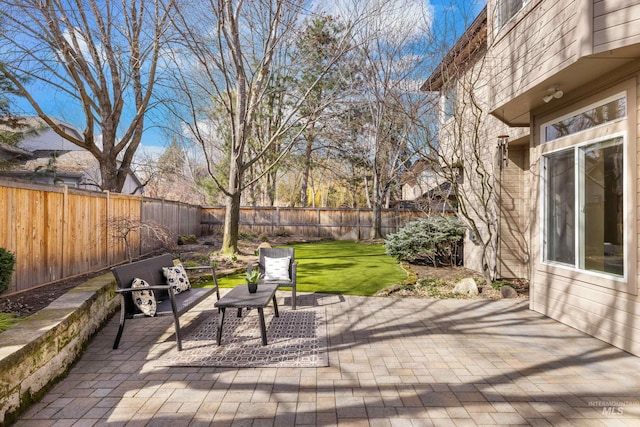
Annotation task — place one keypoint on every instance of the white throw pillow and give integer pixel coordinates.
(276, 268)
(145, 300)
(177, 278)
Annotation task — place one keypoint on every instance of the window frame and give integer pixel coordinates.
(450, 101)
(624, 128)
(578, 212)
(501, 21)
(591, 106)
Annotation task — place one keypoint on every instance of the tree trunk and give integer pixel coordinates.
(376, 218)
(231, 227)
(232, 212)
(376, 222)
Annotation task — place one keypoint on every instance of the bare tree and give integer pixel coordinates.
(465, 155)
(391, 57)
(126, 229)
(102, 57)
(230, 55)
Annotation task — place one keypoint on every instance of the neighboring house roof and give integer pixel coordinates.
(51, 158)
(414, 173)
(10, 152)
(465, 48)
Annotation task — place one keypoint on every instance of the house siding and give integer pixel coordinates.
(610, 316)
(586, 302)
(615, 24)
(513, 258)
(538, 42)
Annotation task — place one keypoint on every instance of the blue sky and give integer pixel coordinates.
(453, 15)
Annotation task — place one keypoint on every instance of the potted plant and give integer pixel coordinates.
(253, 276)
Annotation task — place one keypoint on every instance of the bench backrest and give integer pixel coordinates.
(149, 269)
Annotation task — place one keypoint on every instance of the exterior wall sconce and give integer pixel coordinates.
(503, 150)
(552, 92)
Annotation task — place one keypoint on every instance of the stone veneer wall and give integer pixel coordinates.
(40, 349)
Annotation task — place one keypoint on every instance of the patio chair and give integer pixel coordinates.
(278, 266)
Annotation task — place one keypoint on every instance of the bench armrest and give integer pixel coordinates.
(151, 287)
(200, 267)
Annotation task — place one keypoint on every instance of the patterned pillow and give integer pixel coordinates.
(145, 300)
(177, 278)
(276, 268)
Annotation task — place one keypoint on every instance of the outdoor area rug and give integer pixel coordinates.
(298, 338)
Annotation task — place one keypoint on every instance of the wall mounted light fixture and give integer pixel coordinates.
(552, 92)
(503, 148)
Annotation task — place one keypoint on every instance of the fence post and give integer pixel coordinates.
(65, 229)
(105, 229)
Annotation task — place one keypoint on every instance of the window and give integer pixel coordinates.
(606, 112)
(449, 101)
(506, 9)
(584, 206)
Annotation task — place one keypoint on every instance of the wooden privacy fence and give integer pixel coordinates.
(57, 232)
(336, 223)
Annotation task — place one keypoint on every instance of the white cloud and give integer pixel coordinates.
(149, 152)
(74, 36)
(387, 18)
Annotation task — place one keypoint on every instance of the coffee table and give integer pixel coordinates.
(239, 297)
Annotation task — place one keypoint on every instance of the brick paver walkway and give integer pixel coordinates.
(393, 362)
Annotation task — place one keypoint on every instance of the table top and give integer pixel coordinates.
(239, 297)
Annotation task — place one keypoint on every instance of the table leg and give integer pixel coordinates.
(275, 307)
(220, 323)
(263, 326)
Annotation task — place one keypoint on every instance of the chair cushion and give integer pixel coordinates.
(144, 299)
(177, 278)
(276, 268)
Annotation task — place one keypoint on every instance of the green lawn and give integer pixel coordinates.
(7, 320)
(340, 267)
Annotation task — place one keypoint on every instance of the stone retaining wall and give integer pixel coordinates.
(41, 348)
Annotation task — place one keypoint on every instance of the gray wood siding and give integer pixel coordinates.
(539, 42)
(615, 24)
(607, 315)
(580, 301)
(514, 250)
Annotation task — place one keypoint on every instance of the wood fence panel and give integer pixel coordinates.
(53, 236)
(336, 223)
(120, 207)
(57, 232)
(85, 230)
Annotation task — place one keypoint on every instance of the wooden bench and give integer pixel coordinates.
(168, 302)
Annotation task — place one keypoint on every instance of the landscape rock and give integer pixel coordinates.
(508, 292)
(466, 286)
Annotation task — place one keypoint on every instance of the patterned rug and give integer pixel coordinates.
(295, 339)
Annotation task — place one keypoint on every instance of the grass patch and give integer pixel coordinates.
(339, 267)
(8, 320)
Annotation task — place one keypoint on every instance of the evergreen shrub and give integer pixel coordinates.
(433, 240)
(7, 263)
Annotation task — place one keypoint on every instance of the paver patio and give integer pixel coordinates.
(393, 362)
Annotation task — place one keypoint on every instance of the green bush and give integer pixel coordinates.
(7, 263)
(433, 240)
